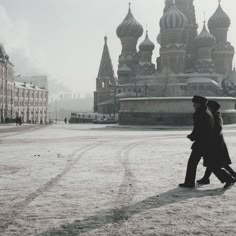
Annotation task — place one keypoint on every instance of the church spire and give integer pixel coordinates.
(106, 68)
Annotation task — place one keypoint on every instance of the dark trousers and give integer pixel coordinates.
(221, 174)
(193, 161)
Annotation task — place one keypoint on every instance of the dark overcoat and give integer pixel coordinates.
(203, 130)
(221, 156)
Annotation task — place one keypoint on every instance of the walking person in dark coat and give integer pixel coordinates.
(222, 158)
(203, 126)
(204, 145)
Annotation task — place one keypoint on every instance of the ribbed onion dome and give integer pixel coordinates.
(219, 19)
(173, 18)
(129, 27)
(204, 39)
(147, 44)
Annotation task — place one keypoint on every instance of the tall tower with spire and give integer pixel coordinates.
(106, 80)
(204, 43)
(173, 47)
(223, 52)
(190, 30)
(188, 63)
(129, 31)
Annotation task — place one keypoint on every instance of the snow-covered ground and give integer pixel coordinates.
(95, 180)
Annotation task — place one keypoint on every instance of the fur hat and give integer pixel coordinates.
(214, 105)
(199, 99)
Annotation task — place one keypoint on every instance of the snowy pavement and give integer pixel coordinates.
(92, 180)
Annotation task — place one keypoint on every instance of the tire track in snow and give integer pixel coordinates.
(126, 190)
(17, 208)
(18, 131)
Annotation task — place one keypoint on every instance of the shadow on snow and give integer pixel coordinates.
(110, 216)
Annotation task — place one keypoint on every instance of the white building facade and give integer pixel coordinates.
(20, 99)
(31, 103)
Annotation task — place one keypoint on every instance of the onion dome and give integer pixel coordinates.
(173, 18)
(147, 44)
(129, 27)
(204, 39)
(219, 19)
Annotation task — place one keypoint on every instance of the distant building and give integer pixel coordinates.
(188, 63)
(31, 103)
(6, 85)
(24, 99)
(39, 80)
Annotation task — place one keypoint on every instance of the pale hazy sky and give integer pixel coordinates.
(64, 38)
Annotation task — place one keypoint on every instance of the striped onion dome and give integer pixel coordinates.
(204, 39)
(129, 27)
(147, 44)
(219, 19)
(173, 18)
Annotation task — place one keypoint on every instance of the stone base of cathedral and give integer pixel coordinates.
(172, 111)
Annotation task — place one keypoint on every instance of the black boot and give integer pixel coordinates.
(203, 181)
(229, 183)
(186, 185)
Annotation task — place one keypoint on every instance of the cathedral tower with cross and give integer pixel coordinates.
(188, 63)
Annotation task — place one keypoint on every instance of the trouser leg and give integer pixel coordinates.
(207, 173)
(193, 161)
(231, 171)
(222, 175)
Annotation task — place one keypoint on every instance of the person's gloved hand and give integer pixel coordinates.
(190, 137)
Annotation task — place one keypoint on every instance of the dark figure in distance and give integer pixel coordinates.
(222, 158)
(17, 120)
(65, 120)
(203, 144)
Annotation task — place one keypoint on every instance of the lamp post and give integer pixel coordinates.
(114, 101)
(145, 87)
(6, 88)
(135, 86)
(11, 105)
(56, 111)
(2, 100)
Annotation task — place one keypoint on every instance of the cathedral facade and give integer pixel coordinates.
(188, 63)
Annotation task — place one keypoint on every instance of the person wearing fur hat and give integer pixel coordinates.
(203, 145)
(203, 126)
(222, 158)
